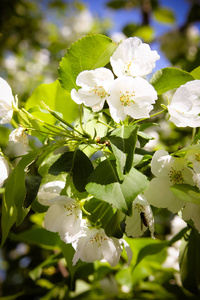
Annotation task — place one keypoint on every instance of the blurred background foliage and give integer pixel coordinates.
(34, 36)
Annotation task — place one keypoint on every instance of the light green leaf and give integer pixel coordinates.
(123, 142)
(196, 73)
(88, 53)
(169, 78)
(13, 209)
(155, 248)
(56, 98)
(164, 15)
(119, 194)
(186, 193)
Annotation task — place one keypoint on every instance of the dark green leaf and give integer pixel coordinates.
(76, 163)
(169, 78)
(189, 260)
(88, 53)
(38, 236)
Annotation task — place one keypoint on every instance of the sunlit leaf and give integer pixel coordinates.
(196, 73)
(56, 98)
(164, 15)
(88, 53)
(186, 192)
(169, 78)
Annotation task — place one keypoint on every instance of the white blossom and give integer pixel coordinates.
(131, 96)
(141, 219)
(6, 101)
(132, 57)
(193, 156)
(49, 191)
(94, 88)
(184, 108)
(94, 244)
(168, 171)
(65, 217)
(18, 140)
(4, 170)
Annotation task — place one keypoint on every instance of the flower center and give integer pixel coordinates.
(127, 67)
(99, 91)
(97, 239)
(126, 98)
(71, 209)
(176, 176)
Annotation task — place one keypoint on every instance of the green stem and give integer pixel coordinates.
(193, 134)
(158, 113)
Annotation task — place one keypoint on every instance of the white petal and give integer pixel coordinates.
(184, 108)
(50, 190)
(4, 170)
(159, 195)
(5, 93)
(132, 57)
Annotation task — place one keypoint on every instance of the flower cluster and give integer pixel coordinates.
(128, 94)
(64, 216)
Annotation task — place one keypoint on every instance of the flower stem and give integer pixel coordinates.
(158, 113)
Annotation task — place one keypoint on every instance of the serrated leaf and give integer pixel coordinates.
(169, 78)
(196, 73)
(56, 98)
(88, 53)
(13, 209)
(186, 192)
(119, 194)
(123, 142)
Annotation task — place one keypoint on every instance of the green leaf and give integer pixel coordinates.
(38, 236)
(189, 261)
(123, 142)
(164, 15)
(55, 97)
(196, 73)
(76, 163)
(119, 194)
(186, 192)
(88, 53)
(153, 249)
(117, 4)
(169, 78)
(13, 209)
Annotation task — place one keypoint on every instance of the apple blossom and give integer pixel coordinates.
(49, 191)
(4, 170)
(141, 219)
(6, 101)
(18, 140)
(184, 108)
(131, 96)
(65, 217)
(168, 171)
(94, 88)
(132, 57)
(94, 244)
